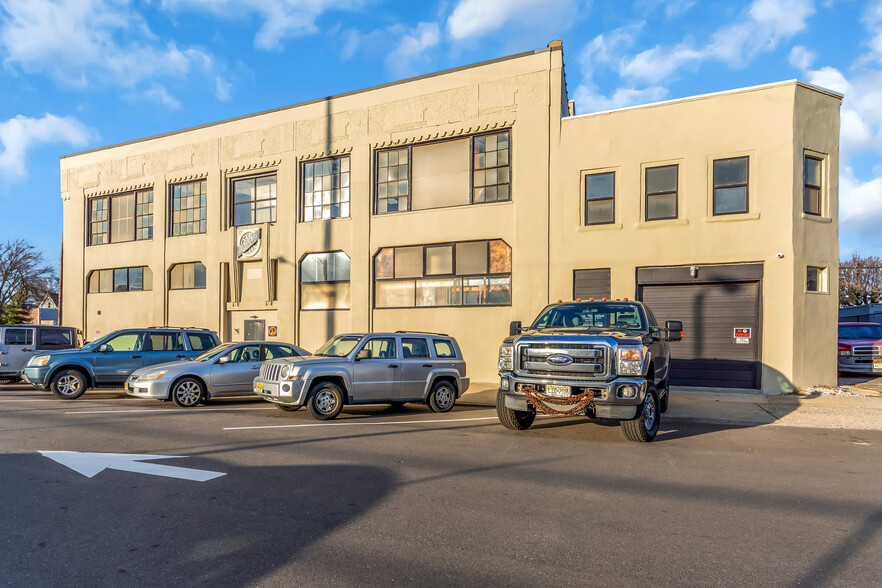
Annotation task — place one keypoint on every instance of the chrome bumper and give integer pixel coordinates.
(286, 392)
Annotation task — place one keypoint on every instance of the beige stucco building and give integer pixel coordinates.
(459, 201)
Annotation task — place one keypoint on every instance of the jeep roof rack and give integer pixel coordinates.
(424, 333)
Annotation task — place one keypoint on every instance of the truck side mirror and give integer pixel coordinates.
(674, 330)
(514, 328)
(363, 354)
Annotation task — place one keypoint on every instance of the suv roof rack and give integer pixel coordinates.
(181, 328)
(424, 333)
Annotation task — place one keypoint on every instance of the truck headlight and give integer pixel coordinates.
(506, 357)
(842, 352)
(155, 375)
(630, 361)
(39, 360)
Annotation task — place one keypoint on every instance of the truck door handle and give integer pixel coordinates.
(427, 365)
(393, 365)
(136, 357)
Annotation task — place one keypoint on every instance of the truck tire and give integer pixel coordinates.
(643, 428)
(325, 401)
(663, 402)
(68, 384)
(442, 397)
(517, 420)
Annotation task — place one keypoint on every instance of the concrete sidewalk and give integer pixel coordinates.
(813, 410)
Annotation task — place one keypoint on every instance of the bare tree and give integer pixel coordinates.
(860, 280)
(24, 275)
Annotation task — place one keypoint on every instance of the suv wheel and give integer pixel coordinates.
(68, 384)
(442, 397)
(517, 420)
(326, 401)
(187, 392)
(643, 428)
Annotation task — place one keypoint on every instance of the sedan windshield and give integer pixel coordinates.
(339, 346)
(591, 315)
(210, 354)
(860, 332)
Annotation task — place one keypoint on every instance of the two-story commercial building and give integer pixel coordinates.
(459, 201)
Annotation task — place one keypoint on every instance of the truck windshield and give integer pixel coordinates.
(591, 315)
(339, 346)
(860, 332)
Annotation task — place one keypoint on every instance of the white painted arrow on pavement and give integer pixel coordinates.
(91, 464)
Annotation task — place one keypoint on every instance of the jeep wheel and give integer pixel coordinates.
(326, 401)
(442, 397)
(68, 384)
(187, 392)
(643, 428)
(287, 408)
(517, 420)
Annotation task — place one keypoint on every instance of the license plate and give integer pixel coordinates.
(877, 365)
(258, 386)
(558, 391)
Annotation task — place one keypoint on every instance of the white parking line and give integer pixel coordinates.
(164, 410)
(373, 423)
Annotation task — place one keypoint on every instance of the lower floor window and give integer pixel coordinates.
(121, 279)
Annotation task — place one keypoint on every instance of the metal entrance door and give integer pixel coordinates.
(254, 330)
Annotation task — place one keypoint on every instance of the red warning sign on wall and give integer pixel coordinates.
(742, 333)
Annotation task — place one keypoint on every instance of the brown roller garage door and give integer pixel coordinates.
(709, 355)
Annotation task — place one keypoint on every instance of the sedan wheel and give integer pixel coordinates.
(187, 392)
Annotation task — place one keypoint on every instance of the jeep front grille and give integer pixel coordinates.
(589, 360)
(270, 371)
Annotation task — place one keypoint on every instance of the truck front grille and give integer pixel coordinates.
(588, 360)
(270, 371)
(867, 351)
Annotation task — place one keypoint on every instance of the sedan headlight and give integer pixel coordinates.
(39, 360)
(155, 375)
(630, 361)
(506, 357)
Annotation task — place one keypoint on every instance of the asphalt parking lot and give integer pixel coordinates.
(382, 496)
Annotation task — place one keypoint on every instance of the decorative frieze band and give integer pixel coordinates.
(251, 166)
(187, 178)
(322, 154)
(118, 189)
(432, 136)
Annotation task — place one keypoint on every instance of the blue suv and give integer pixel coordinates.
(107, 362)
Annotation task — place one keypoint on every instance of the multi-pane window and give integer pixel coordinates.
(661, 192)
(326, 189)
(393, 180)
(600, 192)
(187, 276)
(811, 192)
(188, 204)
(324, 281)
(492, 169)
(730, 185)
(121, 279)
(120, 218)
(467, 273)
(254, 200)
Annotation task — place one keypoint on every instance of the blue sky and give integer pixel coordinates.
(80, 74)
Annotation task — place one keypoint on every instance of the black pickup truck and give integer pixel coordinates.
(602, 359)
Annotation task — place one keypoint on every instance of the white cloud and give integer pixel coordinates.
(159, 93)
(474, 18)
(403, 48)
(282, 19)
(412, 47)
(801, 58)
(21, 134)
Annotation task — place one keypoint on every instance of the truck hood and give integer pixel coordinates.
(860, 342)
(623, 337)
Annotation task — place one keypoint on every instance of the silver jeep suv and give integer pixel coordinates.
(368, 368)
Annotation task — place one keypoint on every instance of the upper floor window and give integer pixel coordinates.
(120, 218)
(730, 185)
(811, 192)
(254, 200)
(600, 191)
(324, 281)
(467, 273)
(188, 203)
(121, 279)
(326, 189)
(661, 192)
(187, 276)
(454, 172)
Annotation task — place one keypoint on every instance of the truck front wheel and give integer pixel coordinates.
(517, 420)
(643, 428)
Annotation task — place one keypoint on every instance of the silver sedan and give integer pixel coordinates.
(226, 370)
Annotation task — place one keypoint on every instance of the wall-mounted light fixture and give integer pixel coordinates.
(693, 271)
